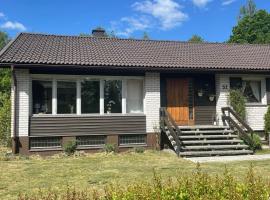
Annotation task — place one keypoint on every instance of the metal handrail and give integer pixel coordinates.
(166, 120)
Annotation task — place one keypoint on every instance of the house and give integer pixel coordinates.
(101, 90)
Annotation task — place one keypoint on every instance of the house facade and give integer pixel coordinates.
(99, 91)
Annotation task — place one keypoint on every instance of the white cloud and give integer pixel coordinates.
(2, 15)
(13, 26)
(167, 12)
(201, 3)
(227, 2)
(129, 25)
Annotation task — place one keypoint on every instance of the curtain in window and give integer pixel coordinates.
(134, 96)
(255, 87)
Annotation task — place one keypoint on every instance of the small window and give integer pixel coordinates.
(42, 97)
(268, 90)
(90, 96)
(134, 96)
(45, 142)
(252, 91)
(235, 83)
(132, 139)
(66, 97)
(113, 96)
(91, 140)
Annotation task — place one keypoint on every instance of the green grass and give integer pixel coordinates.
(263, 151)
(96, 170)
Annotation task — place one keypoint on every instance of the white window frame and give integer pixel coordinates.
(78, 79)
(255, 78)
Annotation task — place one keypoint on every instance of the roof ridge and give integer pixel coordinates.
(148, 40)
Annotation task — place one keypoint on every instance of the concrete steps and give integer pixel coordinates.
(216, 153)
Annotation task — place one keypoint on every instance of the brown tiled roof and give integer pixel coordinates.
(42, 49)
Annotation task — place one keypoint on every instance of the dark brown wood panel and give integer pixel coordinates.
(72, 126)
(205, 115)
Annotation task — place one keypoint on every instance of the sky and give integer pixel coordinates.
(161, 19)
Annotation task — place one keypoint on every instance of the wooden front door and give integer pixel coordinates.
(179, 101)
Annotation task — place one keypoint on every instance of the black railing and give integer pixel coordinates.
(166, 121)
(244, 130)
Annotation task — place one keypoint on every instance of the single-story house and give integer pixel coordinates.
(101, 90)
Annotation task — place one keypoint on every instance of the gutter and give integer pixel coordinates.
(14, 134)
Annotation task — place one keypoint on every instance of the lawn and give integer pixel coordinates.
(96, 170)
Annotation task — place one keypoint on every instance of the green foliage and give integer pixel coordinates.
(237, 101)
(196, 39)
(5, 121)
(139, 150)
(145, 36)
(252, 29)
(198, 185)
(3, 39)
(248, 10)
(256, 142)
(108, 148)
(267, 121)
(70, 147)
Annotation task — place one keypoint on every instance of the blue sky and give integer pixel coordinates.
(161, 19)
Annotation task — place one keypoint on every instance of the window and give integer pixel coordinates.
(66, 97)
(90, 96)
(252, 91)
(268, 90)
(42, 97)
(112, 96)
(45, 142)
(134, 96)
(132, 139)
(91, 140)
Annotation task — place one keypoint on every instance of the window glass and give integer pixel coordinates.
(45, 142)
(91, 140)
(66, 97)
(134, 96)
(42, 97)
(252, 91)
(113, 96)
(90, 96)
(132, 139)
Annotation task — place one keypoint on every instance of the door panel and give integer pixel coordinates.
(178, 100)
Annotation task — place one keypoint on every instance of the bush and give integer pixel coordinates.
(5, 120)
(70, 147)
(139, 150)
(237, 101)
(198, 185)
(108, 148)
(267, 121)
(257, 143)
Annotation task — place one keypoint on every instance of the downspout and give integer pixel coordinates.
(14, 134)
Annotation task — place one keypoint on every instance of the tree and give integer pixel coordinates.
(196, 39)
(5, 82)
(145, 36)
(252, 29)
(3, 39)
(247, 10)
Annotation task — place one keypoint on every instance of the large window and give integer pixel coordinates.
(66, 97)
(87, 95)
(251, 89)
(134, 96)
(42, 97)
(112, 96)
(90, 96)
